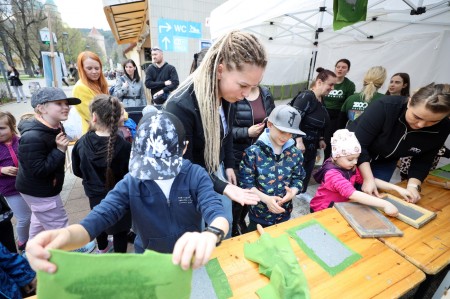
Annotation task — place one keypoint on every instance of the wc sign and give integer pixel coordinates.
(45, 36)
(173, 35)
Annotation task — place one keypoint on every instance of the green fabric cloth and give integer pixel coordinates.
(84, 276)
(443, 172)
(277, 261)
(331, 244)
(218, 279)
(339, 94)
(348, 12)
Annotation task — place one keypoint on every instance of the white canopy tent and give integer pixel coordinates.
(410, 36)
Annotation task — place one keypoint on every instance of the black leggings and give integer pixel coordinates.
(7, 236)
(120, 241)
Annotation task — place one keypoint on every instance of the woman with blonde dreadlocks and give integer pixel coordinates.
(100, 158)
(203, 102)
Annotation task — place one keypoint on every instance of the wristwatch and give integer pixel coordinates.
(418, 187)
(217, 231)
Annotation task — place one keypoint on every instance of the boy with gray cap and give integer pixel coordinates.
(168, 196)
(272, 168)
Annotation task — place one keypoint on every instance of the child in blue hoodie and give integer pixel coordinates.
(272, 167)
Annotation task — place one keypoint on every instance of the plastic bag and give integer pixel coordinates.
(73, 125)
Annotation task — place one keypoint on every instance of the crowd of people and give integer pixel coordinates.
(205, 153)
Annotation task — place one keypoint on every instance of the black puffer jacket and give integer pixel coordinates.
(244, 119)
(41, 164)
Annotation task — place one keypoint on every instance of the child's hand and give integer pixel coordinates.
(193, 249)
(290, 194)
(38, 249)
(9, 170)
(273, 204)
(242, 196)
(407, 195)
(390, 209)
(415, 194)
(62, 142)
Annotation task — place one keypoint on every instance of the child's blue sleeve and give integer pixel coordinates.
(298, 172)
(15, 267)
(247, 169)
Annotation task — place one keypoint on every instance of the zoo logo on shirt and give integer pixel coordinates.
(336, 93)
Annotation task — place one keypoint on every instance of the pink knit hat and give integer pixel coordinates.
(344, 143)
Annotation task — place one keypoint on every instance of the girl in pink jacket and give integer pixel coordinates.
(339, 174)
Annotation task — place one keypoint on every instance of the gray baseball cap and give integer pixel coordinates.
(51, 94)
(157, 150)
(286, 119)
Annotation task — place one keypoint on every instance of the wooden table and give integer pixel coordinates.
(381, 273)
(428, 247)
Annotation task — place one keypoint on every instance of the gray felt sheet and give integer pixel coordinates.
(201, 285)
(405, 210)
(325, 246)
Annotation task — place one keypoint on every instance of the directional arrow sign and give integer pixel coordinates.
(165, 27)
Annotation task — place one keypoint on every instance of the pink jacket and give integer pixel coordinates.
(334, 188)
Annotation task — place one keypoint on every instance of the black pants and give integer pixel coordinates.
(7, 236)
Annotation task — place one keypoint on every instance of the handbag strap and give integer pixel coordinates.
(13, 155)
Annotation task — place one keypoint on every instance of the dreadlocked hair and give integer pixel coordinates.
(232, 50)
(108, 110)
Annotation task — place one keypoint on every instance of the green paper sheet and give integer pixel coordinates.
(277, 261)
(218, 279)
(323, 247)
(85, 276)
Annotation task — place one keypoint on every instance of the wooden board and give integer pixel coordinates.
(409, 213)
(381, 273)
(368, 222)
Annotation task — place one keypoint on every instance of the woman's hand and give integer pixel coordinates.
(370, 187)
(242, 196)
(231, 176)
(415, 195)
(407, 195)
(255, 130)
(299, 144)
(9, 170)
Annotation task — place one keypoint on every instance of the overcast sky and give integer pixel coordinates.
(82, 13)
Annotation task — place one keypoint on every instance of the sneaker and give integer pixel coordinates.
(88, 248)
(108, 249)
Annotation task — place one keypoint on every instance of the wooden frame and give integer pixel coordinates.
(409, 213)
(367, 222)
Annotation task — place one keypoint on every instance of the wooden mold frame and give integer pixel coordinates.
(409, 213)
(367, 221)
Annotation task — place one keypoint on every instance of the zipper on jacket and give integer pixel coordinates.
(404, 136)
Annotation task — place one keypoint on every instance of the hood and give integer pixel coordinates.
(26, 125)
(96, 148)
(264, 137)
(327, 165)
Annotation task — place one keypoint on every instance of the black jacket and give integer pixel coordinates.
(384, 134)
(155, 78)
(185, 106)
(41, 164)
(89, 162)
(244, 119)
(14, 78)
